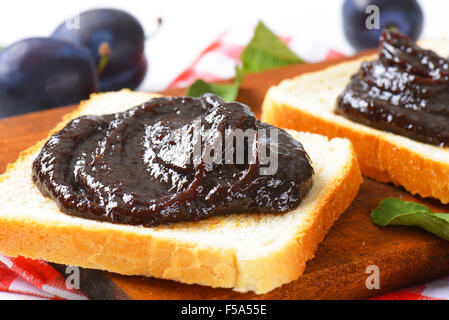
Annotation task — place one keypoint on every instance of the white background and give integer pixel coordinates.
(189, 26)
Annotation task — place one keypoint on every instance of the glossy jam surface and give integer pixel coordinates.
(405, 91)
(143, 166)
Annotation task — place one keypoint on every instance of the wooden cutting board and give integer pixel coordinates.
(405, 256)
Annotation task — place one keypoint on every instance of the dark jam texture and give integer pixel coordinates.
(405, 91)
(138, 167)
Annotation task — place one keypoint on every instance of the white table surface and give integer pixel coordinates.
(189, 26)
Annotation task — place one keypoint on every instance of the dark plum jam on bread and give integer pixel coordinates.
(170, 160)
(405, 91)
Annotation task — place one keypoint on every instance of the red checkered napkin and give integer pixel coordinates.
(433, 290)
(216, 62)
(36, 278)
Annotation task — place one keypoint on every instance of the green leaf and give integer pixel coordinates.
(228, 92)
(266, 51)
(397, 212)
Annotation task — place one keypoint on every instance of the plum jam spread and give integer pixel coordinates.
(404, 91)
(170, 160)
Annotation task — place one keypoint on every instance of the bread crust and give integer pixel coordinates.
(130, 253)
(379, 157)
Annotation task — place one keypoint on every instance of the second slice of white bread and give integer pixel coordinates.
(244, 252)
(307, 102)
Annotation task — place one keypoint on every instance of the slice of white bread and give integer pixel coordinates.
(244, 252)
(307, 102)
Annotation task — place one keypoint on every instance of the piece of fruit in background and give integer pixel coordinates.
(116, 41)
(405, 16)
(42, 73)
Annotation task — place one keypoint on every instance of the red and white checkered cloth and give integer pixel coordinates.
(36, 278)
(216, 62)
(434, 290)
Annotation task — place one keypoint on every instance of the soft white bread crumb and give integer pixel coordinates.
(307, 102)
(243, 252)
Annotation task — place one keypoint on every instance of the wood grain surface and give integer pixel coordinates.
(405, 256)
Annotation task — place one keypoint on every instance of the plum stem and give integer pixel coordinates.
(393, 29)
(104, 50)
(156, 30)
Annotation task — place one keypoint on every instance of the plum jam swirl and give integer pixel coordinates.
(145, 167)
(404, 91)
